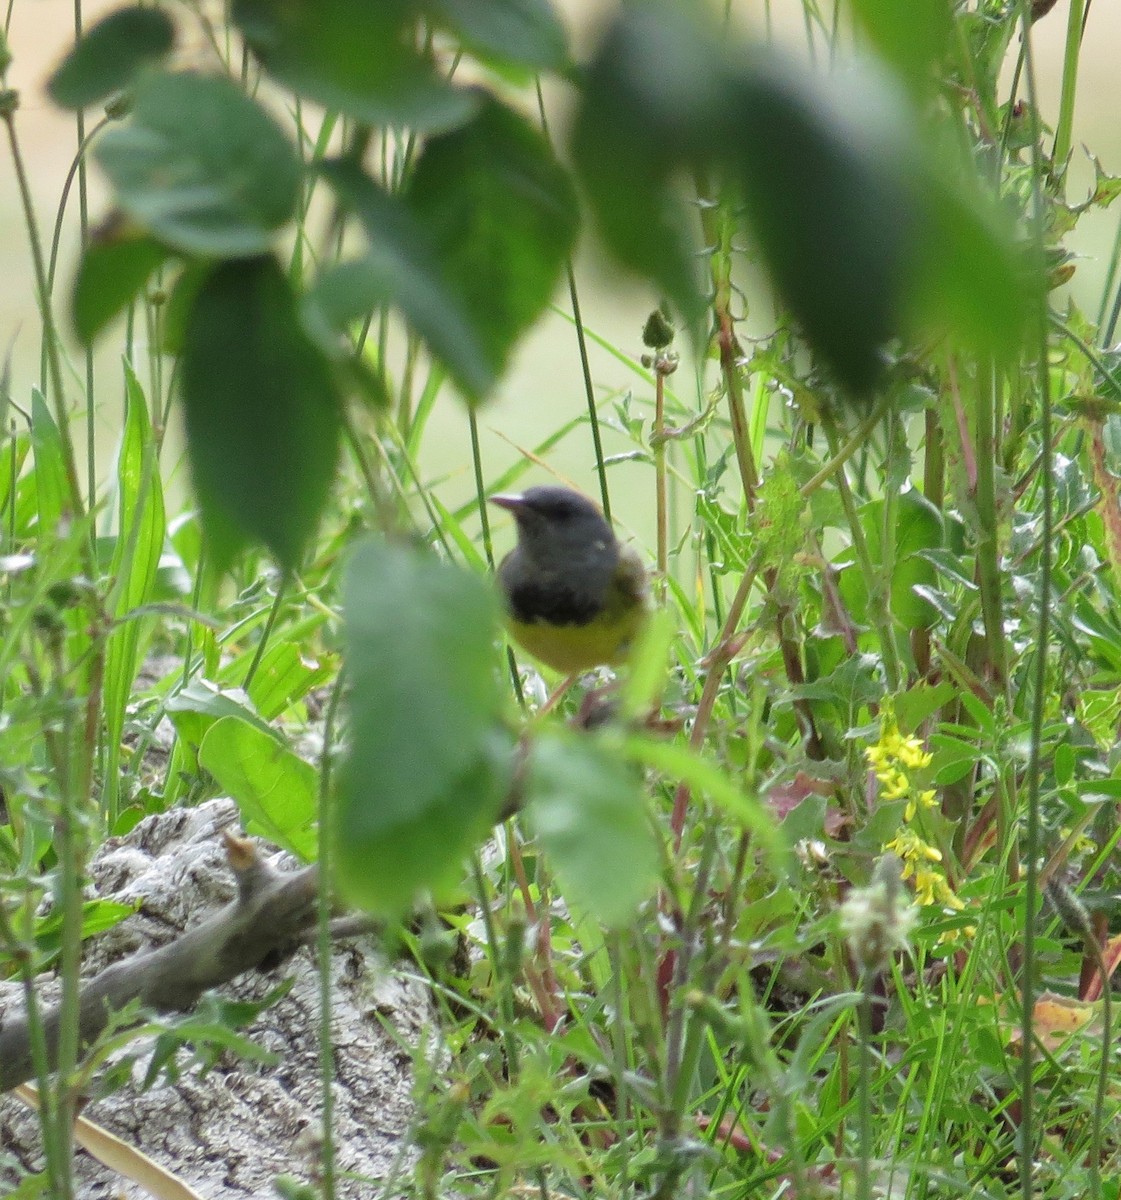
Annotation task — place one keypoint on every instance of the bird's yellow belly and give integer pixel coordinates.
(571, 649)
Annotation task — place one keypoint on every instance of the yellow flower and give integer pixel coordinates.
(931, 887)
(911, 754)
(892, 759)
(925, 882)
(876, 756)
(923, 799)
(910, 847)
(1083, 844)
(896, 785)
(947, 895)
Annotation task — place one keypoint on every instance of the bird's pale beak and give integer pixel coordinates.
(511, 501)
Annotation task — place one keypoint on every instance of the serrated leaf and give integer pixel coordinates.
(275, 790)
(202, 167)
(262, 416)
(355, 56)
(428, 768)
(587, 810)
(115, 265)
(109, 56)
(522, 31)
(501, 215)
(400, 268)
(1106, 187)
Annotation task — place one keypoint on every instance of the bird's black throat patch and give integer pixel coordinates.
(551, 603)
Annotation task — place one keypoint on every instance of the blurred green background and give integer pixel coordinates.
(545, 386)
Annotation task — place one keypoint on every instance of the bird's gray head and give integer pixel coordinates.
(560, 529)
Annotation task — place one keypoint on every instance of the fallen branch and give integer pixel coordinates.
(269, 918)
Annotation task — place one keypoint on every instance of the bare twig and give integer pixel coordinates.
(273, 913)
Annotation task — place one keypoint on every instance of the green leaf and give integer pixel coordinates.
(355, 56)
(11, 464)
(704, 777)
(911, 36)
(428, 767)
(644, 683)
(115, 265)
(110, 55)
(179, 302)
(134, 569)
(921, 701)
(806, 819)
(196, 707)
(263, 418)
(275, 790)
(917, 527)
(286, 672)
(52, 492)
(651, 99)
(971, 275)
(202, 167)
(586, 806)
(502, 214)
(400, 267)
(98, 916)
(825, 170)
(522, 31)
(953, 759)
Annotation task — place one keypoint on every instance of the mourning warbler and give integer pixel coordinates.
(575, 598)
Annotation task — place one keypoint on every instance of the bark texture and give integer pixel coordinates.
(230, 1132)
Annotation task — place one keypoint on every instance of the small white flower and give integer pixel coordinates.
(877, 920)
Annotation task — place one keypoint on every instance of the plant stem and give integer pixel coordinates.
(1065, 123)
(1104, 1063)
(503, 985)
(46, 315)
(864, 1091)
(878, 589)
(84, 231)
(262, 644)
(719, 659)
(990, 576)
(717, 226)
(582, 346)
(324, 902)
(1027, 1141)
(855, 441)
(661, 513)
